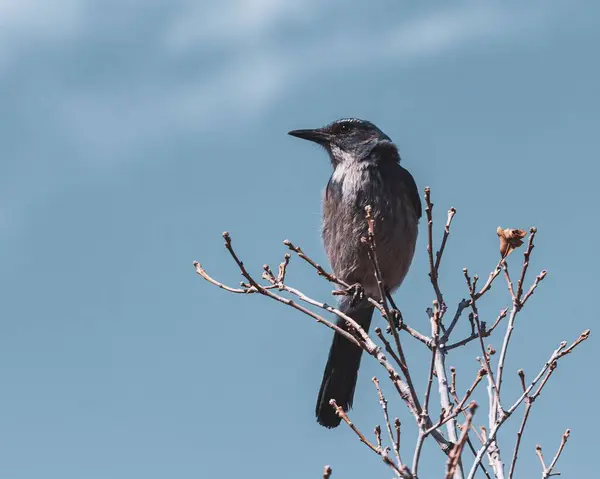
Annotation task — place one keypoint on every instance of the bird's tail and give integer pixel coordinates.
(341, 371)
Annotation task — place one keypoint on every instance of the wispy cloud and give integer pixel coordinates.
(259, 66)
(25, 23)
(231, 61)
(95, 84)
(236, 23)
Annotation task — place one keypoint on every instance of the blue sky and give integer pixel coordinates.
(134, 133)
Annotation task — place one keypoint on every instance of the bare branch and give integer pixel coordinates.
(340, 412)
(334, 279)
(508, 281)
(432, 270)
(538, 451)
(396, 442)
(377, 432)
(202, 272)
(438, 255)
(487, 286)
(582, 337)
(538, 279)
(320, 271)
(372, 250)
(557, 354)
(526, 255)
(460, 407)
(528, 404)
(455, 454)
(435, 333)
(550, 470)
(461, 307)
(509, 329)
(383, 403)
(377, 450)
(273, 285)
(283, 269)
(480, 334)
(472, 448)
(474, 335)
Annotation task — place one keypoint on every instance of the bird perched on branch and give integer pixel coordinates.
(366, 171)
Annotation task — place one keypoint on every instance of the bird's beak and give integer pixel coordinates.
(318, 135)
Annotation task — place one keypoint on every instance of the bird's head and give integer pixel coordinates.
(347, 139)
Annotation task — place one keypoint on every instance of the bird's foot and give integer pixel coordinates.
(356, 292)
(395, 313)
(397, 319)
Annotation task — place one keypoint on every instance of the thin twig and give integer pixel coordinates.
(417, 453)
(426, 340)
(550, 470)
(377, 450)
(365, 342)
(435, 333)
(354, 333)
(538, 279)
(327, 275)
(445, 400)
(389, 349)
(283, 269)
(526, 255)
(372, 251)
(432, 270)
(377, 432)
(488, 284)
(480, 334)
(538, 451)
(486, 332)
(396, 441)
(557, 354)
(517, 305)
(461, 307)
(320, 271)
(202, 272)
(455, 454)
(438, 354)
(474, 451)
(383, 403)
(508, 280)
(334, 279)
(509, 329)
(460, 407)
(582, 337)
(529, 400)
(340, 412)
(438, 255)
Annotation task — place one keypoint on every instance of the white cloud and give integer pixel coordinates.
(253, 63)
(243, 57)
(259, 68)
(234, 23)
(25, 22)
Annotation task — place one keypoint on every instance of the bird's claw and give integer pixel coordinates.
(397, 320)
(356, 292)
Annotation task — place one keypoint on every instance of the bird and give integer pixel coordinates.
(366, 172)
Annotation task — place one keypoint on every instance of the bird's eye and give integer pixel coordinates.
(343, 127)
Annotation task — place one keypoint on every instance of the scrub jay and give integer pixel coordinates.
(366, 171)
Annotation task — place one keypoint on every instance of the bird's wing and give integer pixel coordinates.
(389, 152)
(413, 192)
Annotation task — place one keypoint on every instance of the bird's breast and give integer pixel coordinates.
(350, 189)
